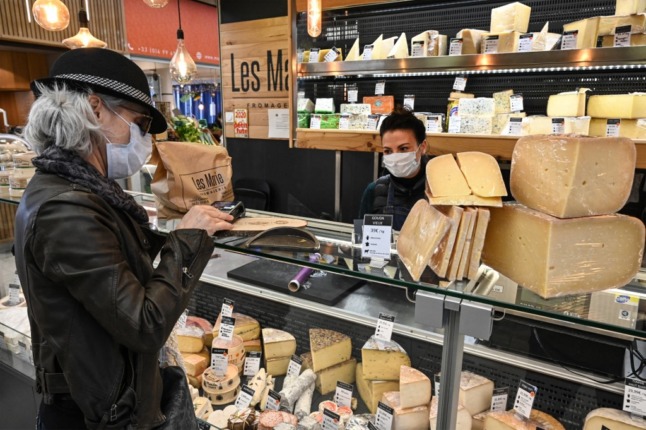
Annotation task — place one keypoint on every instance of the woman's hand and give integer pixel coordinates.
(207, 218)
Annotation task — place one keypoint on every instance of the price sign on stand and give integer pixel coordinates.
(499, 399)
(181, 322)
(635, 397)
(315, 122)
(612, 127)
(516, 103)
(226, 328)
(344, 121)
(384, 417)
(434, 123)
(417, 49)
(409, 101)
(343, 394)
(525, 42)
(14, 299)
(525, 399)
(568, 40)
(384, 330)
(491, 45)
(455, 47)
(373, 120)
(219, 361)
(330, 420)
(380, 88)
(227, 307)
(454, 124)
(273, 401)
(622, 35)
(314, 55)
(460, 83)
(367, 52)
(377, 232)
(244, 398)
(353, 95)
(514, 127)
(558, 125)
(436, 385)
(295, 364)
(252, 363)
(332, 55)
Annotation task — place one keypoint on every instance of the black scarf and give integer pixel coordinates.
(68, 165)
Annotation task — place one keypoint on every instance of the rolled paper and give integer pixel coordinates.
(303, 275)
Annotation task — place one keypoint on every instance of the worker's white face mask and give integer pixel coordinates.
(401, 164)
(124, 160)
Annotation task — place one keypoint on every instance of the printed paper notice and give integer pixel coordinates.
(278, 123)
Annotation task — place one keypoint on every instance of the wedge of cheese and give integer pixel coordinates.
(190, 339)
(353, 54)
(400, 48)
(471, 40)
(555, 257)
(475, 392)
(502, 101)
(386, 46)
(277, 366)
(477, 243)
(630, 128)
(463, 261)
(277, 343)
(445, 178)
(629, 7)
(606, 418)
(470, 200)
(463, 421)
(246, 327)
(195, 364)
(586, 29)
(460, 242)
(571, 103)
(510, 17)
(509, 420)
(328, 348)
(442, 256)
(422, 232)
(570, 177)
(624, 106)
(501, 122)
(482, 173)
(371, 391)
(638, 39)
(326, 379)
(536, 124)
(382, 360)
(608, 24)
(374, 51)
(504, 42)
(416, 418)
(414, 387)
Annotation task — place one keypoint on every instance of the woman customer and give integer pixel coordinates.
(99, 311)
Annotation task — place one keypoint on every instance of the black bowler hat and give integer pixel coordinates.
(107, 72)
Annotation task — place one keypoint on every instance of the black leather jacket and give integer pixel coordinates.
(99, 311)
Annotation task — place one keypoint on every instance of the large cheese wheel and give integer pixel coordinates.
(606, 418)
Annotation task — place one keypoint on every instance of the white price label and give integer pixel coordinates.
(525, 42)
(353, 95)
(417, 49)
(635, 397)
(273, 401)
(227, 325)
(314, 55)
(377, 233)
(227, 307)
(499, 399)
(454, 124)
(460, 83)
(436, 385)
(433, 123)
(558, 125)
(568, 41)
(409, 102)
(622, 35)
(385, 324)
(373, 121)
(516, 103)
(380, 88)
(455, 48)
(525, 399)
(367, 52)
(315, 122)
(295, 364)
(344, 121)
(332, 55)
(343, 394)
(299, 55)
(181, 322)
(219, 361)
(252, 363)
(613, 127)
(300, 95)
(330, 420)
(514, 127)
(491, 45)
(384, 417)
(14, 299)
(244, 398)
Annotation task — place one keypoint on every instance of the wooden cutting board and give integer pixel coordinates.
(263, 223)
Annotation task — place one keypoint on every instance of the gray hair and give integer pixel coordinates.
(63, 117)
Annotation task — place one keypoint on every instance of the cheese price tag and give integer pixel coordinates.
(227, 307)
(380, 88)
(568, 41)
(516, 103)
(373, 120)
(384, 417)
(343, 394)
(612, 127)
(252, 363)
(525, 399)
(635, 397)
(460, 83)
(455, 47)
(181, 322)
(436, 385)
(525, 42)
(491, 45)
(299, 55)
(314, 55)
(417, 49)
(558, 125)
(14, 299)
(244, 398)
(273, 401)
(622, 35)
(219, 361)
(367, 52)
(377, 233)
(409, 102)
(433, 123)
(226, 328)
(454, 124)
(315, 122)
(332, 55)
(353, 95)
(294, 368)
(514, 127)
(301, 95)
(385, 325)
(499, 399)
(344, 121)
(330, 420)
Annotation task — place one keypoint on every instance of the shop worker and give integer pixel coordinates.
(99, 310)
(403, 138)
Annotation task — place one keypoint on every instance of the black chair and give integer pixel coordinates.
(254, 193)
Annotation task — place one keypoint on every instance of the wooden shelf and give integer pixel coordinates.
(500, 147)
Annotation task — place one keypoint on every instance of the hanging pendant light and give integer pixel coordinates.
(52, 15)
(83, 39)
(182, 66)
(156, 3)
(314, 17)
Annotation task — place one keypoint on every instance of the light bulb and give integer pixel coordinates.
(156, 3)
(314, 17)
(84, 39)
(52, 15)
(182, 66)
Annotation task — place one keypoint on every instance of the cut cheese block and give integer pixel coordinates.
(569, 177)
(324, 52)
(509, 420)
(422, 232)
(463, 421)
(277, 366)
(254, 345)
(536, 124)
(414, 387)
(501, 121)
(576, 125)
(477, 421)
(638, 39)
(475, 392)
(235, 350)
(587, 32)
(387, 46)
(471, 40)
(556, 257)
(206, 326)
(477, 106)
(245, 327)
(606, 418)
(190, 339)
(625, 106)
(502, 101)
(326, 379)
(382, 360)
(214, 383)
(571, 103)
(460, 242)
(510, 17)
(629, 7)
(195, 381)
(353, 54)
(419, 45)
(477, 243)
(508, 41)
(442, 256)
(328, 348)
(371, 391)
(482, 173)
(608, 24)
(416, 418)
(476, 124)
(470, 200)
(630, 128)
(400, 49)
(195, 364)
(463, 262)
(277, 343)
(445, 178)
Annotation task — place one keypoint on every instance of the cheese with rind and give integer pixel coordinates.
(277, 343)
(477, 243)
(482, 173)
(445, 178)
(606, 418)
(587, 32)
(414, 387)
(246, 327)
(624, 106)
(502, 101)
(536, 125)
(400, 48)
(371, 391)
(463, 420)
(442, 256)
(475, 392)
(572, 176)
(327, 378)
(571, 103)
(416, 418)
(608, 24)
(382, 360)
(630, 128)
(476, 124)
(463, 262)
(509, 420)
(510, 17)
(460, 242)
(476, 106)
(328, 348)
(470, 200)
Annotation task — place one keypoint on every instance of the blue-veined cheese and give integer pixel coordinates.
(631, 128)
(502, 101)
(476, 106)
(476, 124)
(355, 108)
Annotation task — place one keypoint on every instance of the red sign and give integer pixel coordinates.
(153, 32)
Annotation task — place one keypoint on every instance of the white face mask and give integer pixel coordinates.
(401, 164)
(124, 160)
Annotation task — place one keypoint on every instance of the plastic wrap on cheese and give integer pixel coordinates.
(420, 235)
(324, 105)
(304, 105)
(573, 176)
(304, 119)
(510, 419)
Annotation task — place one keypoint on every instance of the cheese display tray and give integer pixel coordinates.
(325, 288)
